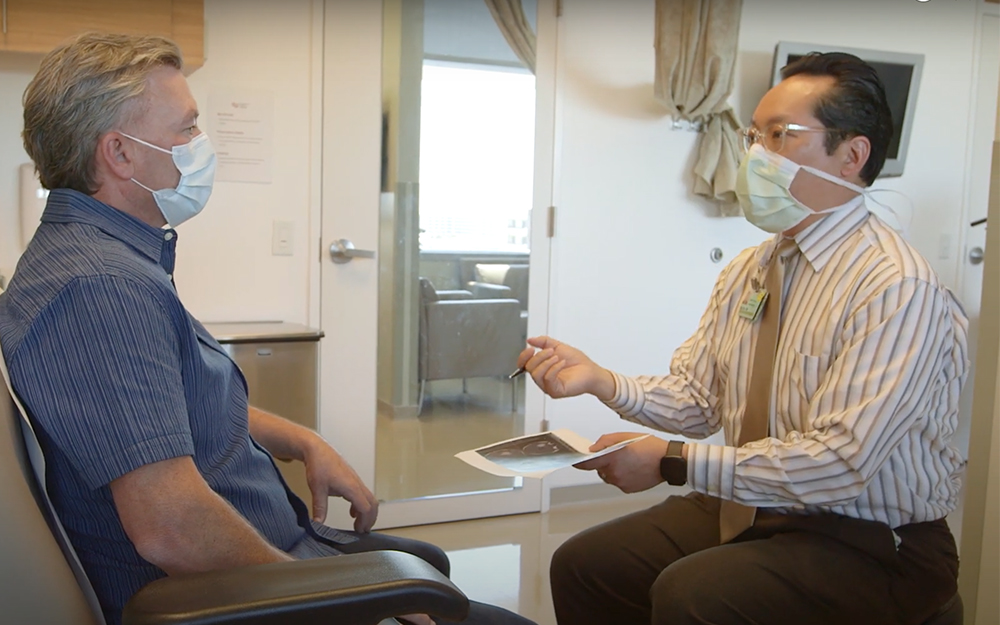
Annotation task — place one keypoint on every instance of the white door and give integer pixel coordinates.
(351, 417)
(634, 258)
(970, 262)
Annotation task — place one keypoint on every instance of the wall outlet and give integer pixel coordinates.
(282, 238)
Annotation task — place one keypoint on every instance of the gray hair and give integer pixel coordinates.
(84, 88)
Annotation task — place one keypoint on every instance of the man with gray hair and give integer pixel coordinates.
(156, 463)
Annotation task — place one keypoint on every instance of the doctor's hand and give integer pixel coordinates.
(633, 468)
(328, 474)
(564, 371)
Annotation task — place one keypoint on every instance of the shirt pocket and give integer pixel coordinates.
(806, 374)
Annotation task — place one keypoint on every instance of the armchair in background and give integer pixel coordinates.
(463, 337)
(501, 280)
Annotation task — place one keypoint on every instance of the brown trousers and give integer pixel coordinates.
(665, 566)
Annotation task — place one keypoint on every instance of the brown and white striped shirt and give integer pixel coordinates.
(871, 360)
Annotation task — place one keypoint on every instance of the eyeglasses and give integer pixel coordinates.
(772, 137)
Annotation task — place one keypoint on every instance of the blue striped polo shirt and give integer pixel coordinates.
(115, 374)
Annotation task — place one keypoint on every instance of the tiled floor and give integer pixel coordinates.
(505, 560)
(415, 455)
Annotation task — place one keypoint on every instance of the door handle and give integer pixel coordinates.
(976, 255)
(343, 251)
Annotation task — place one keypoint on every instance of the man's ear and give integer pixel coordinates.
(854, 154)
(114, 156)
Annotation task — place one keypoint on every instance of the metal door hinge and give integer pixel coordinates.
(559, 8)
(550, 223)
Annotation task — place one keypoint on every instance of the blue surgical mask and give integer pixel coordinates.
(195, 160)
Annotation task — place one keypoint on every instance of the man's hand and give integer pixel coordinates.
(328, 474)
(564, 371)
(632, 468)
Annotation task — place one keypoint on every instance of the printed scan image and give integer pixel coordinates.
(532, 453)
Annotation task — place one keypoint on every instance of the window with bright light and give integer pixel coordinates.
(477, 129)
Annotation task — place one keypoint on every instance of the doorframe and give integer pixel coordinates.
(315, 227)
(982, 373)
(330, 176)
(544, 216)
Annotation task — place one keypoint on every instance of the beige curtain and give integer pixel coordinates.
(509, 16)
(696, 44)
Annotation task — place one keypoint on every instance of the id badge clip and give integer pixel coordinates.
(750, 309)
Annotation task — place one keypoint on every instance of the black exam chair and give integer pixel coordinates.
(38, 585)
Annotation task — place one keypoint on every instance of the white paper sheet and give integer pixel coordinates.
(241, 125)
(536, 455)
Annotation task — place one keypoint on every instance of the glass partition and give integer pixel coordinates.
(458, 147)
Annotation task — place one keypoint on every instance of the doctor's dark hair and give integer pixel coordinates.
(89, 85)
(854, 106)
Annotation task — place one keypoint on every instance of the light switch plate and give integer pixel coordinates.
(282, 238)
(944, 247)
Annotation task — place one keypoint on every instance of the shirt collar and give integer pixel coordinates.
(69, 206)
(820, 240)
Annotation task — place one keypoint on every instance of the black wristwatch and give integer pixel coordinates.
(673, 466)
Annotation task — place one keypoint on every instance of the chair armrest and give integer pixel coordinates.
(355, 589)
(486, 290)
(455, 294)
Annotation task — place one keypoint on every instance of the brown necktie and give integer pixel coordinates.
(736, 518)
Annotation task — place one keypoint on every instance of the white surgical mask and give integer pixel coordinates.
(195, 160)
(763, 187)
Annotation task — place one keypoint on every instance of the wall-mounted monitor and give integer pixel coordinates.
(900, 74)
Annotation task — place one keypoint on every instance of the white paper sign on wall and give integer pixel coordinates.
(241, 126)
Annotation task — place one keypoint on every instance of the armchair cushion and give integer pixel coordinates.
(514, 277)
(356, 589)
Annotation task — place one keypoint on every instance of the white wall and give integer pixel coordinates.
(16, 71)
(630, 270)
(225, 270)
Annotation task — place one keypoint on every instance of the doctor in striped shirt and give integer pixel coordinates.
(846, 490)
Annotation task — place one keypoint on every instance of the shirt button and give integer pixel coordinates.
(170, 276)
(168, 236)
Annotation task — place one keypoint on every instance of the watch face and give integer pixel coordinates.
(673, 469)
